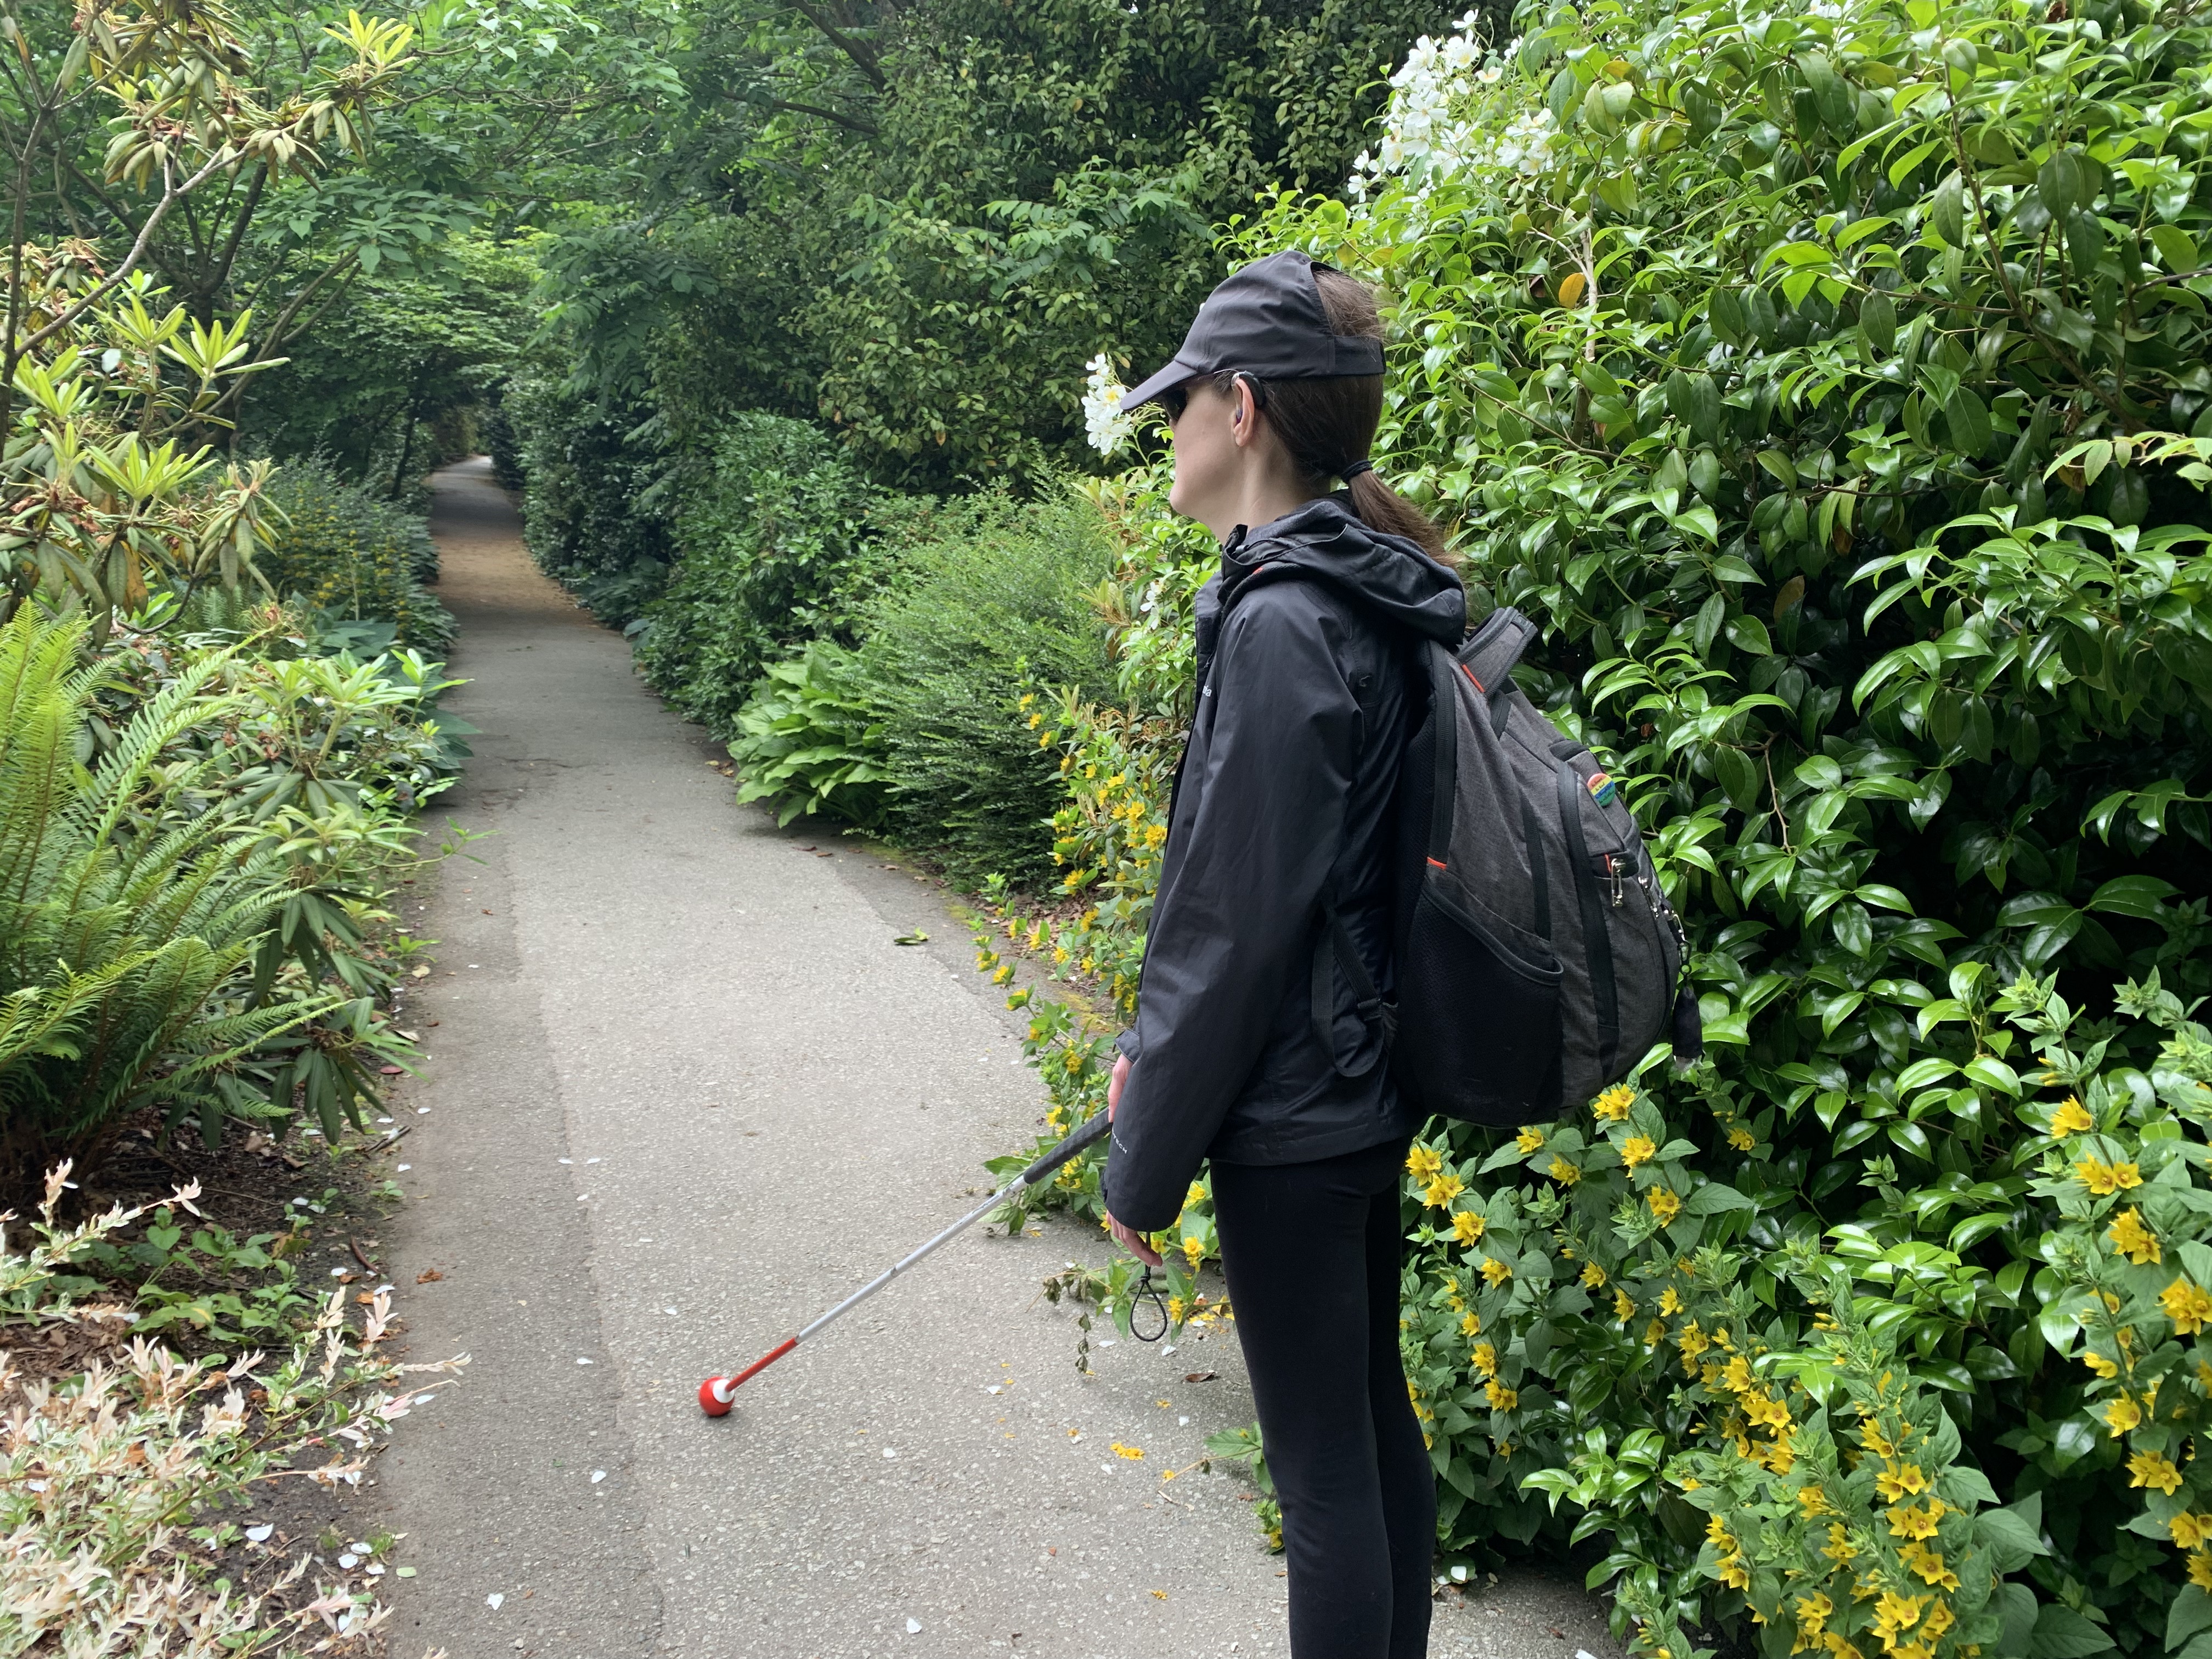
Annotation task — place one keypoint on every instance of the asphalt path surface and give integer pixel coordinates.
(683, 1092)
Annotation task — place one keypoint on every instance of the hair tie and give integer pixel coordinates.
(1352, 469)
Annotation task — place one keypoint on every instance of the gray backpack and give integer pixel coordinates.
(1537, 960)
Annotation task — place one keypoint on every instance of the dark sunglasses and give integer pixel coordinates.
(1176, 399)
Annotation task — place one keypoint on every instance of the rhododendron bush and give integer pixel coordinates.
(1829, 382)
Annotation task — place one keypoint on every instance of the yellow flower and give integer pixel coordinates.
(2122, 1414)
(2071, 1119)
(1471, 1326)
(1423, 1163)
(1812, 1613)
(1129, 1452)
(1813, 1500)
(1910, 1521)
(1563, 1172)
(1871, 1436)
(2149, 1468)
(1529, 1139)
(1669, 1303)
(2190, 1531)
(1928, 1564)
(1593, 1276)
(2187, 1305)
(1612, 1105)
(1665, 1206)
(2132, 1239)
(1495, 1270)
(1193, 1250)
(2105, 1179)
(1899, 1480)
(2107, 1369)
(1466, 1226)
(1502, 1399)
(1637, 1149)
(1622, 1307)
(1939, 1619)
(1742, 1139)
(2200, 1569)
(1442, 1190)
(1195, 1195)
(1484, 1360)
(1895, 1612)
(1840, 1548)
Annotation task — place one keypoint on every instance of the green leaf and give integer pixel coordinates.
(2141, 897)
(1948, 212)
(1749, 634)
(2012, 1539)
(2175, 246)
(2063, 1633)
(1968, 418)
(1724, 308)
(1739, 776)
(1714, 1197)
(2059, 182)
(2191, 1612)
(1904, 165)
(1992, 1074)
(1878, 324)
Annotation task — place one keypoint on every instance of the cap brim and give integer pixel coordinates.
(1174, 374)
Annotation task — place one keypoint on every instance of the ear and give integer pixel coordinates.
(1243, 412)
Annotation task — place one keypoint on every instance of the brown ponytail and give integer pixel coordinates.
(1328, 424)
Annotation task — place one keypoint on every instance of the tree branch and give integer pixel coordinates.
(862, 55)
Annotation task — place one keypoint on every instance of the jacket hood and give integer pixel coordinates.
(1388, 574)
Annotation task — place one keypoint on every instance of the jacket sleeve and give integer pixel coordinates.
(1236, 925)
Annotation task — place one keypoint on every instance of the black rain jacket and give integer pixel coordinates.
(1282, 808)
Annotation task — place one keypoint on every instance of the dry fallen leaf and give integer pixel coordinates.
(428, 1276)
(1199, 1377)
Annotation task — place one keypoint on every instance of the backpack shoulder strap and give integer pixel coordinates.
(1490, 653)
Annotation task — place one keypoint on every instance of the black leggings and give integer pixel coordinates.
(1312, 1252)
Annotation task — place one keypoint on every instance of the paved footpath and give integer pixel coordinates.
(684, 1091)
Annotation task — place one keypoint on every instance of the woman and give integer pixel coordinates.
(1261, 1040)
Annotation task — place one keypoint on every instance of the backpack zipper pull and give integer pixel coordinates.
(1614, 865)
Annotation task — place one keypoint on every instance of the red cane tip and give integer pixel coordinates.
(715, 1395)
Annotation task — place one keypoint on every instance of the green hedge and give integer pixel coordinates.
(596, 485)
(778, 539)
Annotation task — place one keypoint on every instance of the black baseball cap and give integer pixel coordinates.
(1269, 319)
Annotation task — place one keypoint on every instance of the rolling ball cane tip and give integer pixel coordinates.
(714, 1394)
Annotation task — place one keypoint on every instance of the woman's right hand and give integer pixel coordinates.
(1131, 1240)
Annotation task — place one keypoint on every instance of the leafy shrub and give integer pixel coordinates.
(104, 508)
(807, 741)
(777, 536)
(340, 549)
(1829, 388)
(998, 594)
(924, 731)
(158, 944)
